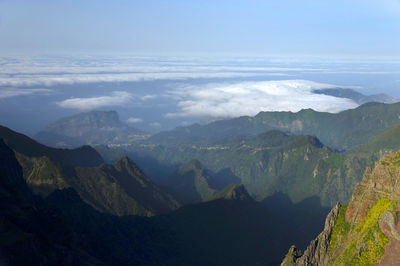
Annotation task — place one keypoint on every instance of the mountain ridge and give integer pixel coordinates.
(119, 189)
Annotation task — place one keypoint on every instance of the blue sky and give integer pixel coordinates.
(352, 27)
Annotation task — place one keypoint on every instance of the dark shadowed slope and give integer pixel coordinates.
(191, 183)
(219, 232)
(31, 232)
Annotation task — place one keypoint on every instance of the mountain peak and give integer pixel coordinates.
(94, 127)
(233, 192)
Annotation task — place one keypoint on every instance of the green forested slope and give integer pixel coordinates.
(119, 189)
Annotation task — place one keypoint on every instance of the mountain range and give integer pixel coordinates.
(64, 227)
(342, 131)
(121, 188)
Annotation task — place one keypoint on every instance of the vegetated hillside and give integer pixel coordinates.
(63, 229)
(32, 232)
(364, 231)
(191, 183)
(90, 128)
(298, 166)
(119, 189)
(343, 131)
(388, 141)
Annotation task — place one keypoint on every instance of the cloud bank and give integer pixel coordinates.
(249, 98)
(51, 71)
(15, 92)
(117, 98)
(134, 120)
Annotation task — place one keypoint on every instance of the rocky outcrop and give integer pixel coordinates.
(365, 231)
(389, 219)
(292, 256)
(317, 252)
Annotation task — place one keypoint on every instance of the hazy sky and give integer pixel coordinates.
(348, 27)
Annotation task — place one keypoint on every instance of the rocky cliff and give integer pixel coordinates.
(365, 231)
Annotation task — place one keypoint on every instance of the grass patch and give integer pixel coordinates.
(340, 230)
(367, 242)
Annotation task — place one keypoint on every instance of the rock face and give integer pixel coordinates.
(365, 231)
(317, 252)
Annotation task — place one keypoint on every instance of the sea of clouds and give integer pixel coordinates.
(211, 87)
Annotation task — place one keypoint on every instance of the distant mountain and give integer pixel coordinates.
(120, 189)
(91, 128)
(343, 131)
(365, 231)
(356, 96)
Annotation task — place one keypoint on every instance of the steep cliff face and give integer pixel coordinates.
(364, 232)
(317, 252)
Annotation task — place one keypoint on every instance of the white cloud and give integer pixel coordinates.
(117, 98)
(69, 79)
(155, 124)
(14, 92)
(49, 71)
(249, 98)
(134, 120)
(148, 97)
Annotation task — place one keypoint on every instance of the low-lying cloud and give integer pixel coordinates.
(249, 98)
(134, 120)
(15, 92)
(117, 98)
(50, 71)
(70, 79)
